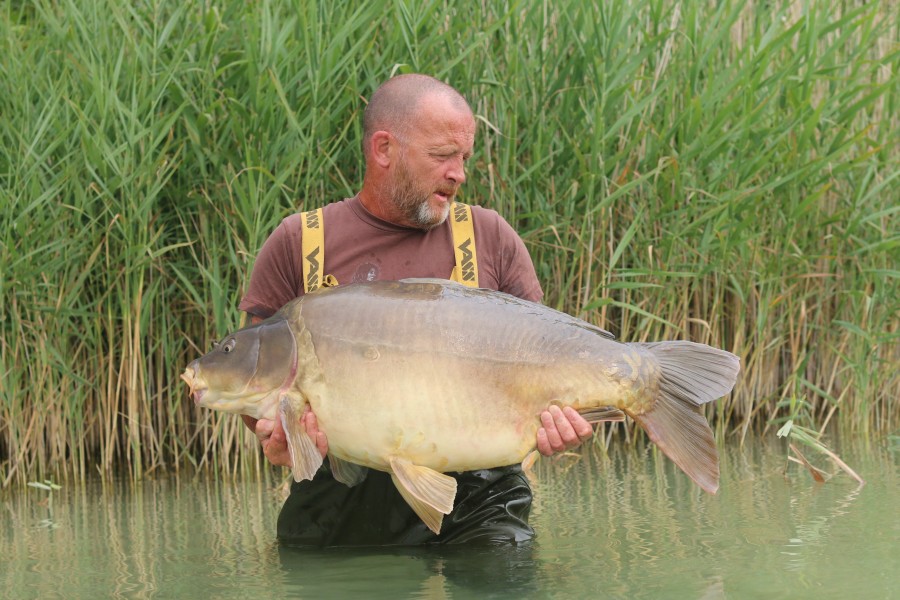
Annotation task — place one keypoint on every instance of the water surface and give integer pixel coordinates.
(624, 526)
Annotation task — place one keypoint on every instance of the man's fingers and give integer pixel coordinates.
(565, 430)
(274, 442)
(310, 423)
(278, 434)
(263, 429)
(311, 426)
(554, 442)
(562, 429)
(543, 446)
(322, 443)
(582, 428)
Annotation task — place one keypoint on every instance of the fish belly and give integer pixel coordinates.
(428, 416)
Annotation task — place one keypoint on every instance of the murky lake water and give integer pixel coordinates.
(624, 527)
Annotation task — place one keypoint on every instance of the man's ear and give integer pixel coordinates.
(381, 143)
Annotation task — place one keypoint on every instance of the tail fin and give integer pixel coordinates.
(692, 375)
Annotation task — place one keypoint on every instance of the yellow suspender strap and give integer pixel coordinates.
(466, 269)
(312, 226)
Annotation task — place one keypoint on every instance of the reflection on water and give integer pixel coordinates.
(626, 526)
(129, 541)
(423, 572)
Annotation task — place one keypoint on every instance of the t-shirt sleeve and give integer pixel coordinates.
(517, 275)
(276, 273)
(504, 263)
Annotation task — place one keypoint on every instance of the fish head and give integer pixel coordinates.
(246, 371)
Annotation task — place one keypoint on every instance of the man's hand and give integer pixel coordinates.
(274, 441)
(563, 429)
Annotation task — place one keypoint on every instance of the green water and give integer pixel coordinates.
(629, 526)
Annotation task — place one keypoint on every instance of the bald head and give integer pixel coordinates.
(394, 105)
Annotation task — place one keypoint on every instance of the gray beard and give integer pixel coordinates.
(413, 204)
(428, 217)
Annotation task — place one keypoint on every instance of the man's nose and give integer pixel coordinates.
(457, 171)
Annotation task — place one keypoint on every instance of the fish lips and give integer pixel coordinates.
(194, 390)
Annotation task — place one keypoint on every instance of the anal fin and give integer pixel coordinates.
(305, 456)
(346, 472)
(429, 493)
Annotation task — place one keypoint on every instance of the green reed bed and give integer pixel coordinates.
(725, 172)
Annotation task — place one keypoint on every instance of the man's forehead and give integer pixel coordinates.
(439, 116)
(443, 107)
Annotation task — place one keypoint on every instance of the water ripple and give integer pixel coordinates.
(629, 525)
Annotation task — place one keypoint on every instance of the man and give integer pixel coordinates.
(418, 134)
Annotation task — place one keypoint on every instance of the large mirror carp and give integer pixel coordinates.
(423, 377)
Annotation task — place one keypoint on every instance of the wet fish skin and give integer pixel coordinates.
(418, 378)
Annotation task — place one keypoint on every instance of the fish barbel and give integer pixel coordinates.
(423, 377)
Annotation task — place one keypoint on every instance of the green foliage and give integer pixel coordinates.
(725, 172)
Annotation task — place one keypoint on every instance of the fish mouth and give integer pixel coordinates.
(194, 390)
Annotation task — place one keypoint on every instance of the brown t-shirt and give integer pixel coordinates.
(362, 247)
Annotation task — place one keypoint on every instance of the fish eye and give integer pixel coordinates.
(228, 346)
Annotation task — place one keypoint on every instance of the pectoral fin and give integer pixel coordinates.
(305, 456)
(602, 413)
(347, 473)
(429, 493)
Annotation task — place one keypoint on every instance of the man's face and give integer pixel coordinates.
(430, 164)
